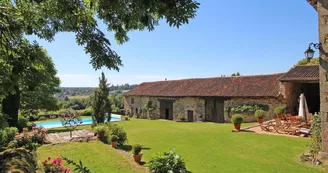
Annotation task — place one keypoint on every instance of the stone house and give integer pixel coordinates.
(207, 99)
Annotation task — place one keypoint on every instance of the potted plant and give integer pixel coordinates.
(100, 130)
(259, 115)
(279, 111)
(237, 119)
(137, 154)
(114, 140)
(181, 117)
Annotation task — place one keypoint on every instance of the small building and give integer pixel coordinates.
(208, 99)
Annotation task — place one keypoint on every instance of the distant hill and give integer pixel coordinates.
(77, 92)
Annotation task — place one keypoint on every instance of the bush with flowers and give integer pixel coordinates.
(54, 166)
(29, 139)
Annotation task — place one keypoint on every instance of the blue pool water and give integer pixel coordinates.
(57, 123)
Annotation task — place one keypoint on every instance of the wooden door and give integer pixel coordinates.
(214, 115)
(190, 115)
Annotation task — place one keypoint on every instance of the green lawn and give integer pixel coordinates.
(97, 156)
(205, 147)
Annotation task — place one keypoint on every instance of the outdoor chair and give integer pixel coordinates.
(306, 131)
(281, 128)
(266, 126)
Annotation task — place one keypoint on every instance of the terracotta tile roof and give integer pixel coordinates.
(302, 73)
(241, 86)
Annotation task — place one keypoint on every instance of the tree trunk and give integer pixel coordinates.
(10, 106)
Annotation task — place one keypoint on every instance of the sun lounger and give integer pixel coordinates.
(266, 126)
(281, 128)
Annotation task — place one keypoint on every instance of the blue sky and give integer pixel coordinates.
(250, 37)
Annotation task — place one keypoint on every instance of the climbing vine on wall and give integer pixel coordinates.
(316, 137)
(246, 108)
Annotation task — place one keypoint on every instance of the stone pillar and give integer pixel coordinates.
(322, 8)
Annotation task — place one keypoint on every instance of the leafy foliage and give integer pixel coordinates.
(316, 135)
(26, 66)
(101, 105)
(6, 135)
(279, 110)
(304, 61)
(136, 149)
(18, 160)
(259, 114)
(3, 121)
(118, 131)
(101, 129)
(32, 80)
(114, 138)
(22, 122)
(70, 119)
(237, 119)
(167, 162)
(54, 166)
(79, 168)
(29, 139)
(236, 74)
(246, 108)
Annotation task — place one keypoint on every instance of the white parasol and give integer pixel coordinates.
(303, 109)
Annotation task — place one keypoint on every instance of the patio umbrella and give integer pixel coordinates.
(303, 109)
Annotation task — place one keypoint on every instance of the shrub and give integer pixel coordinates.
(167, 162)
(279, 110)
(54, 166)
(114, 138)
(30, 139)
(6, 135)
(237, 119)
(316, 135)
(126, 118)
(101, 129)
(118, 131)
(22, 122)
(136, 149)
(3, 121)
(85, 112)
(18, 160)
(34, 117)
(259, 114)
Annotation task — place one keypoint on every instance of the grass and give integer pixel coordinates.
(95, 155)
(205, 147)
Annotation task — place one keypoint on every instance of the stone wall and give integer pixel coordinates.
(291, 93)
(271, 102)
(180, 105)
(322, 8)
(197, 105)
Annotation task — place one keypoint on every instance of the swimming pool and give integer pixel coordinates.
(57, 123)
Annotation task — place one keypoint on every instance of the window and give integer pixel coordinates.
(132, 100)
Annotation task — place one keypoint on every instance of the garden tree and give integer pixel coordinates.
(31, 81)
(305, 61)
(101, 104)
(235, 74)
(45, 18)
(70, 119)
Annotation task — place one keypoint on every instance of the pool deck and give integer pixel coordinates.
(63, 137)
